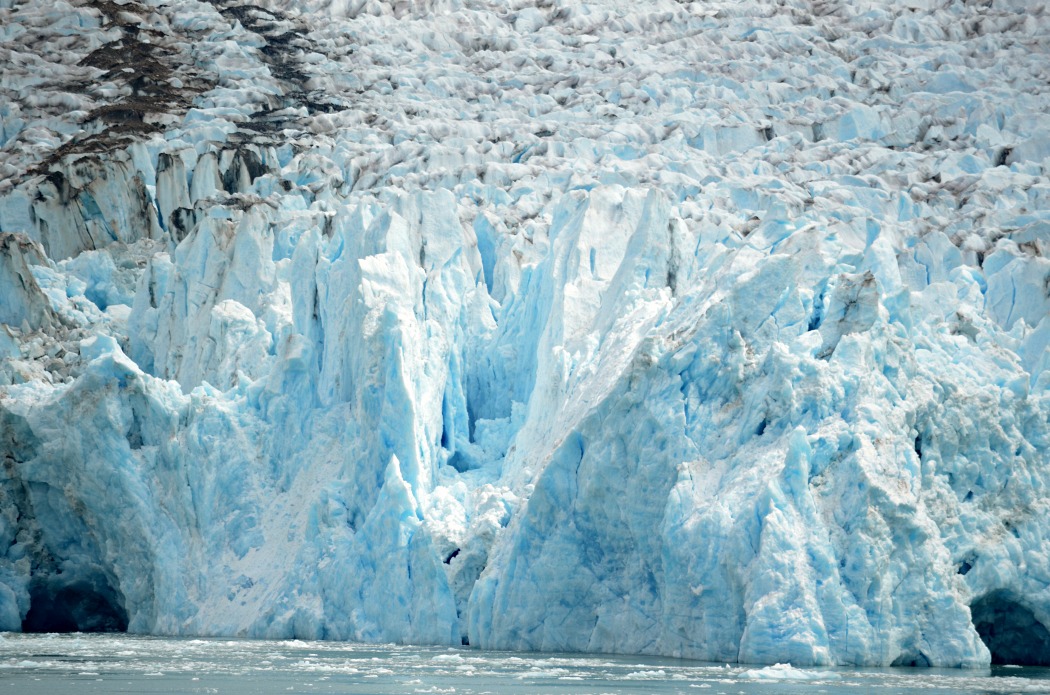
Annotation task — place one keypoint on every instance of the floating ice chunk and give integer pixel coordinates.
(786, 672)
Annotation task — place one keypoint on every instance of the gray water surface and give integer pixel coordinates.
(112, 663)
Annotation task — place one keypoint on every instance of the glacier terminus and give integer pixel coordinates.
(711, 329)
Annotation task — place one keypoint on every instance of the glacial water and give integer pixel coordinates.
(112, 663)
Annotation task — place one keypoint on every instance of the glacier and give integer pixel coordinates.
(717, 329)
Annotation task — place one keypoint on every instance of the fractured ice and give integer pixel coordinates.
(717, 329)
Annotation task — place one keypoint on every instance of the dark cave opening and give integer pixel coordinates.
(1010, 631)
(74, 607)
(912, 659)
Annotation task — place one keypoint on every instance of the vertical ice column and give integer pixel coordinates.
(172, 189)
(22, 302)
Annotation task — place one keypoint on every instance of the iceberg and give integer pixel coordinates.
(715, 330)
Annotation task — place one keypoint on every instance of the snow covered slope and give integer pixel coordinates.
(714, 329)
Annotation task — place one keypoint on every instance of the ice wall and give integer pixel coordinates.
(717, 331)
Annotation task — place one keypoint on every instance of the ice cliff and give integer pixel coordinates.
(713, 329)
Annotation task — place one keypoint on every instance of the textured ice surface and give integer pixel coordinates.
(715, 330)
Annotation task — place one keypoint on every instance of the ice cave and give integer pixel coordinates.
(60, 605)
(1010, 630)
